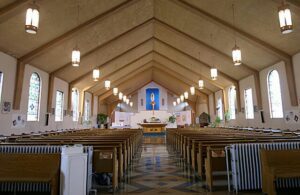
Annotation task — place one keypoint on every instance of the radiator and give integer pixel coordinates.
(40, 187)
(244, 161)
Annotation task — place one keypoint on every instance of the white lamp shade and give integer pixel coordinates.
(174, 103)
(75, 57)
(186, 95)
(107, 84)
(182, 98)
(285, 19)
(115, 91)
(120, 96)
(178, 100)
(201, 84)
(124, 98)
(131, 104)
(127, 101)
(213, 73)
(236, 56)
(96, 74)
(32, 19)
(193, 91)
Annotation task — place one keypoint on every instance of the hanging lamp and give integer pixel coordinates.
(236, 51)
(107, 84)
(201, 84)
(115, 91)
(193, 91)
(285, 18)
(120, 95)
(75, 51)
(96, 74)
(32, 19)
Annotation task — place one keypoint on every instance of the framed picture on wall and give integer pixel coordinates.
(6, 107)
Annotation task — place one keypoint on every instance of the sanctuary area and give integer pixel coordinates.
(149, 97)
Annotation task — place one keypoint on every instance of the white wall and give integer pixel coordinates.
(250, 83)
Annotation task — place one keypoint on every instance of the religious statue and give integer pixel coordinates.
(152, 102)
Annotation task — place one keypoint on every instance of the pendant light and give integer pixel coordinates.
(107, 84)
(213, 73)
(115, 91)
(76, 52)
(120, 96)
(174, 103)
(285, 18)
(193, 91)
(127, 101)
(96, 74)
(131, 104)
(236, 51)
(178, 100)
(124, 98)
(201, 84)
(186, 95)
(181, 98)
(213, 69)
(32, 19)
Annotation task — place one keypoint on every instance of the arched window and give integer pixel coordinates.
(59, 106)
(34, 98)
(75, 104)
(87, 110)
(1, 83)
(231, 101)
(274, 92)
(249, 109)
(220, 108)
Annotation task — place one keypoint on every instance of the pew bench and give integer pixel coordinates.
(278, 164)
(31, 168)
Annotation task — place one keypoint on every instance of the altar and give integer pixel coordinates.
(153, 127)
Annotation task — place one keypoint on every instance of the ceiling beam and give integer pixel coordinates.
(131, 76)
(12, 6)
(161, 70)
(182, 77)
(225, 76)
(190, 70)
(245, 35)
(116, 71)
(27, 57)
(107, 62)
(122, 35)
(198, 42)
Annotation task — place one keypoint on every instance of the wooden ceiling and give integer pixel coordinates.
(134, 42)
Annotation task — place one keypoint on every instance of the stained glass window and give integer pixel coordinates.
(75, 104)
(220, 108)
(59, 106)
(87, 110)
(34, 98)
(1, 83)
(274, 92)
(232, 101)
(249, 110)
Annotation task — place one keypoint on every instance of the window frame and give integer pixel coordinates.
(61, 119)
(75, 109)
(39, 98)
(220, 113)
(270, 97)
(1, 84)
(247, 106)
(232, 103)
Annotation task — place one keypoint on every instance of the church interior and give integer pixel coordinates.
(149, 96)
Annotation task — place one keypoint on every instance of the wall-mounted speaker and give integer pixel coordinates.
(262, 116)
(47, 119)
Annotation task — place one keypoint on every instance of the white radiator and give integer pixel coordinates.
(40, 187)
(246, 167)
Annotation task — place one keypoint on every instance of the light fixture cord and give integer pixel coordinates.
(78, 7)
(233, 22)
(212, 57)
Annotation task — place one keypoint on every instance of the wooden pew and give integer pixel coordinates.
(31, 168)
(278, 164)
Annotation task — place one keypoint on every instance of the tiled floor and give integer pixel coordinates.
(156, 170)
(159, 171)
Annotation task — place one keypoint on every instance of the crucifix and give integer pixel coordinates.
(152, 102)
